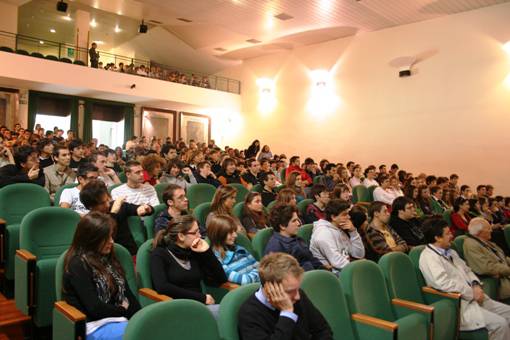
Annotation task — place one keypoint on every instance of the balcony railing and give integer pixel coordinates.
(59, 51)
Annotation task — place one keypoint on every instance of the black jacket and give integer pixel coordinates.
(258, 322)
(10, 174)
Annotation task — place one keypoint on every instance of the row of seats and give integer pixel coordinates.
(39, 55)
(388, 300)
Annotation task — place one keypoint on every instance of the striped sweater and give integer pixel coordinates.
(239, 265)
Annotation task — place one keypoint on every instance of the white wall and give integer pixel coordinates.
(452, 115)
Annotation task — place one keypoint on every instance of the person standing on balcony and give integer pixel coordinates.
(94, 56)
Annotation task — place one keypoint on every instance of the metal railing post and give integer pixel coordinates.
(59, 48)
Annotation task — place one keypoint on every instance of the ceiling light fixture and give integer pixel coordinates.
(67, 17)
(143, 28)
(61, 6)
(52, 30)
(93, 23)
(117, 29)
(41, 42)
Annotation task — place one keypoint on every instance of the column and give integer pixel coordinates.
(81, 36)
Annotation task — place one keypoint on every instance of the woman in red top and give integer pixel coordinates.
(460, 216)
(152, 165)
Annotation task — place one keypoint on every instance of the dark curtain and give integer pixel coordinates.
(110, 111)
(129, 122)
(52, 104)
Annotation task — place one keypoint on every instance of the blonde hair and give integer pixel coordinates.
(277, 266)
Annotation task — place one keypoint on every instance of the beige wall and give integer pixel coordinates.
(8, 23)
(452, 115)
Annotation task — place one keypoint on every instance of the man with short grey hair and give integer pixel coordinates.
(486, 257)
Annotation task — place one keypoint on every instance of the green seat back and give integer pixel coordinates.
(200, 193)
(398, 270)
(176, 319)
(201, 211)
(260, 240)
(360, 194)
(137, 229)
(326, 293)
(245, 242)
(241, 191)
(305, 232)
(143, 269)
(16, 200)
(58, 193)
(111, 187)
(125, 260)
(238, 210)
(160, 189)
(271, 205)
(506, 231)
(278, 188)
(282, 174)
(150, 221)
(229, 310)
(459, 245)
(447, 216)
(257, 188)
(365, 290)
(414, 256)
(122, 177)
(371, 192)
(317, 179)
(303, 204)
(46, 233)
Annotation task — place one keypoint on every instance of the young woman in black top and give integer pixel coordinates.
(180, 260)
(94, 281)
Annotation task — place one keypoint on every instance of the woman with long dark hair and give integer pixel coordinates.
(253, 217)
(94, 281)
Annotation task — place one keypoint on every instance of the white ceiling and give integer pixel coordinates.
(227, 24)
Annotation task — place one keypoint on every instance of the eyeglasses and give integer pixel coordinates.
(196, 232)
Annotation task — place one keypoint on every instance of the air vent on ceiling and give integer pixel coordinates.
(220, 49)
(184, 20)
(253, 41)
(284, 16)
(155, 22)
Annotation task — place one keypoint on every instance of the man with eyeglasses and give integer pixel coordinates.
(403, 220)
(70, 198)
(25, 170)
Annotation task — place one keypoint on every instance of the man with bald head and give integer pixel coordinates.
(486, 257)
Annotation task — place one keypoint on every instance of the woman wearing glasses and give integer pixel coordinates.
(180, 260)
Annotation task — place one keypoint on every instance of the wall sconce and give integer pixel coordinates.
(323, 99)
(267, 98)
